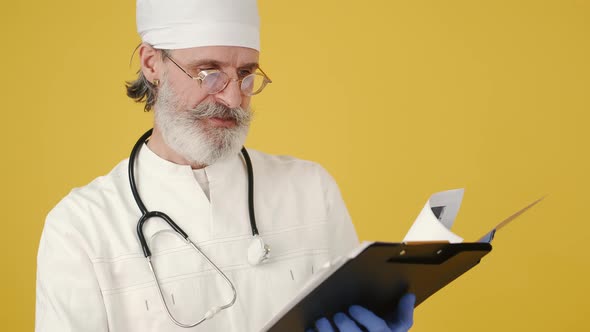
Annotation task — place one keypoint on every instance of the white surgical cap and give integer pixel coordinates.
(174, 24)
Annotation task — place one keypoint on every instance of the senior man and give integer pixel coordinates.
(108, 262)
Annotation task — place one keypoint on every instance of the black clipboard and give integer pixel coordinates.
(378, 276)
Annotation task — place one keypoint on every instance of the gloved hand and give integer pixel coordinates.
(404, 319)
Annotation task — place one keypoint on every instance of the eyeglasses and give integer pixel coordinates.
(214, 81)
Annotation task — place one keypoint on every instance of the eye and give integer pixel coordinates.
(244, 72)
(202, 72)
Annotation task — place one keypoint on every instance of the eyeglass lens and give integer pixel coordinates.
(250, 85)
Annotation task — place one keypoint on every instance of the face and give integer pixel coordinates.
(199, 126)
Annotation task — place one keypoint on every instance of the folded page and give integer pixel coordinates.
(436, 218)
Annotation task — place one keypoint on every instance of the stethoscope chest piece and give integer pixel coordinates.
(258, 251)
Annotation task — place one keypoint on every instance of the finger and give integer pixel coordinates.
(405, 313)
(406, 310)
(345, 324)
(367, 318)
(323, 325)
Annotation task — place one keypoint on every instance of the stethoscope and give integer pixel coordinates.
(258, 252)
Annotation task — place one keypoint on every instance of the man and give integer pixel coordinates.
(199, 70)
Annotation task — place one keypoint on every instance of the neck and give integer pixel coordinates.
(160, 148)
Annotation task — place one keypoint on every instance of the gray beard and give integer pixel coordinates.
(183, 130)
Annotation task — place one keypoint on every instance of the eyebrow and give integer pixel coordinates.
(215, 63)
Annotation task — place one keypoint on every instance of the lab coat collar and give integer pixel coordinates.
(154, 164)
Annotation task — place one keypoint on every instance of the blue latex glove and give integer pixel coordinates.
(373, 323)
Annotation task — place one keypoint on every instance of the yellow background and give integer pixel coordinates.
(397, 99)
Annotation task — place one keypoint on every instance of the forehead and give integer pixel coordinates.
(230, 56)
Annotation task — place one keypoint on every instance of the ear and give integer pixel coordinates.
(150, 61)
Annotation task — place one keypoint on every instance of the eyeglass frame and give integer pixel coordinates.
(203, 73)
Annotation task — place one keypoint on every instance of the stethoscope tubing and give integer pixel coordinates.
(250, 171)
(146, 215)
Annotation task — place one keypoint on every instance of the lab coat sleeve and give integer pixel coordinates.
(68, 295)
(343, 237)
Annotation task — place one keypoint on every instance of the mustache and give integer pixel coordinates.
(216, 110)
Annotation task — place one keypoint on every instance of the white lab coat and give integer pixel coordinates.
(92, 275)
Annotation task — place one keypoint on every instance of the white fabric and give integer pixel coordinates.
(174, 24)
(202, 180)
(92, 275)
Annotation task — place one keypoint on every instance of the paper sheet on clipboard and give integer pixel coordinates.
(436, 218)
(438, 215)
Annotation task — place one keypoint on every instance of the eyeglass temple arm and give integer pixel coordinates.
(184, 71)
(263, 73)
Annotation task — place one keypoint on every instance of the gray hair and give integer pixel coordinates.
(141, 90)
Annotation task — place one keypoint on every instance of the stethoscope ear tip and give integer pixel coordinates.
(258, 251)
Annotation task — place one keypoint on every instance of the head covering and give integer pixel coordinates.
(174, 24)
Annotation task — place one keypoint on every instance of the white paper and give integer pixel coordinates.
(436, 218)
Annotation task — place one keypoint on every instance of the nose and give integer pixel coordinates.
(231, 96)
